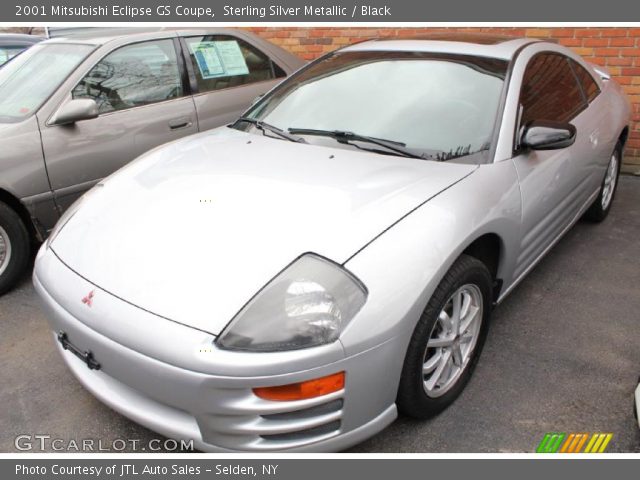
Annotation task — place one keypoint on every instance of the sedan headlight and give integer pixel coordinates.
(306, 305)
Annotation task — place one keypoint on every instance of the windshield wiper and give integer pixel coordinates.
(262, 126)
(348, 137)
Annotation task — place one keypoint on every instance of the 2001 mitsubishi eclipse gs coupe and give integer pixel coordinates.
(293, 280)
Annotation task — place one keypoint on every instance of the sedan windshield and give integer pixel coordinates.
(427, 105)
(28, 80)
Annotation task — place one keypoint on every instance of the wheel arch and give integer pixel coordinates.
(624, 136)
(489, 249)
(17, 206)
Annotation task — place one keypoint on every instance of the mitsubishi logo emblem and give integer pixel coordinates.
(88, 300)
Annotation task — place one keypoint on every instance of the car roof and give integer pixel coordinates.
(101, 36)
(6, 38)
(493, 46)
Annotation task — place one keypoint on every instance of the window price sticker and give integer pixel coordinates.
(219, 59)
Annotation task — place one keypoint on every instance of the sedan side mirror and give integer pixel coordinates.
(76, 110)
(546, 135)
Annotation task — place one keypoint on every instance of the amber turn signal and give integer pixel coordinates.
(299, 391)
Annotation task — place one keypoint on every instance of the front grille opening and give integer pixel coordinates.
(316, 411)
(304, 434)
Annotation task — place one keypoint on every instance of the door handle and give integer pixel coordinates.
(181, 122)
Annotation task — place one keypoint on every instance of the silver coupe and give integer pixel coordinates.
(294, 280)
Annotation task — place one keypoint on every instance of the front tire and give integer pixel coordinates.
(599, 209)
(447, 341)
(14, 248)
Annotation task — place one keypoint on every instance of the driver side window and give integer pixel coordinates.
(550, 90)
(132, 76)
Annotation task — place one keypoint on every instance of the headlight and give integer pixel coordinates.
(306, 305)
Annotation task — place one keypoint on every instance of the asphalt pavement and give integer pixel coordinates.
(563, 355)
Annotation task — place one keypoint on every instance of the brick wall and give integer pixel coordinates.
(616, 48)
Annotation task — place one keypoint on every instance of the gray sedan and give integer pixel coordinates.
(74, 110)
(294, 280)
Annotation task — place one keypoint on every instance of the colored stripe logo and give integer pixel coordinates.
(555, 442)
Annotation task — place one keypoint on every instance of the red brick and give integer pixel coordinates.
(624, 61)
(316, 33)
(302, 33)
(587, 32)
(607, 52)
(595, 42)
(538, 32)
(615, 32)
(562, 32)
(570, 42)
(622, 42)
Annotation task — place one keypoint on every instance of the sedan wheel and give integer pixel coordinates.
(447, 340)
(5, 250)
(15, 247)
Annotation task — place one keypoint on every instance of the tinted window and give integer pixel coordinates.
(550, 90)
(589, 85)
(221, 61)
(28, 80)
(442, 106)
(132, 76)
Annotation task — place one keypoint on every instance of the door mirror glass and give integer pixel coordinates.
(76, 110)
(547, 135)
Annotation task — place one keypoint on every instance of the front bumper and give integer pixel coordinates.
(193, 395)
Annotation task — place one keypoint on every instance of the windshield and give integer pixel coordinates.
(28, 80)
(439, 106)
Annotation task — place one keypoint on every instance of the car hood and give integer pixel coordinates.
(192, 230)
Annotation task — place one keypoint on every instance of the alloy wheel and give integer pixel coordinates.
(610, 180)
(452, 340)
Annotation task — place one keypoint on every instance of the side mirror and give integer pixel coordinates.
(545, 135)
(76, 110)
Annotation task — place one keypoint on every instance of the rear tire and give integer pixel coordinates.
(15, 248)
(440, 343)
(599, 209)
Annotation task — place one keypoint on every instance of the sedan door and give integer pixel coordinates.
(554, 184)
(142, 103)
(228, 74)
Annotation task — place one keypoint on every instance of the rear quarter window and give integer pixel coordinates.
(589, 85)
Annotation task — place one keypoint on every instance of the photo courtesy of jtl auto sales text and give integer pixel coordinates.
(313, 240)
